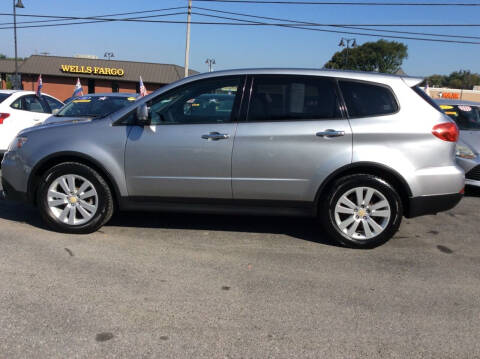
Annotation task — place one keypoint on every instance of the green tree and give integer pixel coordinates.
(463, 79)
(380, 56)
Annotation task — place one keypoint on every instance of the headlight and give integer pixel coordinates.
(17, 143)
(463, 151)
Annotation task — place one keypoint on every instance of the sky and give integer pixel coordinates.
(239, 46)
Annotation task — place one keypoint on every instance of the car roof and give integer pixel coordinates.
(456, 102)
(360, 75)
(16, 91)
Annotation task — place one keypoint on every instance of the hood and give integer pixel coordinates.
(56, 119)
(471, 139)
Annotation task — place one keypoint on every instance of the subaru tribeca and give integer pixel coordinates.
(357, 150)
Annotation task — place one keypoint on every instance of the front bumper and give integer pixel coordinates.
(423, 205)
(12, 194)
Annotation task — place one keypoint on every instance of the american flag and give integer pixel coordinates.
(143, 90)
(78, 91)
(39, 85)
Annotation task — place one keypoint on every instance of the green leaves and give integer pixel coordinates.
(381, 56)
(462, 79)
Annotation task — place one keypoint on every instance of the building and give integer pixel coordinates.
(7, 67)
(59, 74)
(454, 94)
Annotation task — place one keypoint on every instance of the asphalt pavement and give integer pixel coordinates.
(156, 285)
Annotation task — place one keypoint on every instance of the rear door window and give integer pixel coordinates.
(29, 103)
(290, 98)
(364, 99)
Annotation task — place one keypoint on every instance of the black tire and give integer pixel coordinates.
(343, 186)
(105, 205)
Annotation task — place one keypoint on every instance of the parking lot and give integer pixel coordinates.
(181, 285)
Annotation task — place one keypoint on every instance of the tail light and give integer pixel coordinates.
(447, 131)
(3, 116)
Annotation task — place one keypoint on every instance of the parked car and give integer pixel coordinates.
(346, 147)
(21, 109)
(466, 114)
(92, 105)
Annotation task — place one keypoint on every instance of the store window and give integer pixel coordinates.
(91, 86)
(115, 87)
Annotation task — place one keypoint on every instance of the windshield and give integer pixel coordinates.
(3, 96)
(466, 117)
(94, 106)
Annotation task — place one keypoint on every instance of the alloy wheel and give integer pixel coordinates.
(362, 213)
(72, 199)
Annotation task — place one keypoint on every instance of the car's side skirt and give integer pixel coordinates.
(218, 206)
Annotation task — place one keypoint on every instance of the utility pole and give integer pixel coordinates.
(187, 45)
(210, 63)
(19, 5)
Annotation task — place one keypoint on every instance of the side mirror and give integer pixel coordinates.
(55, 111)
(143, 118)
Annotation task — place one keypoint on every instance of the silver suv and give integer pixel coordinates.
(359, 151)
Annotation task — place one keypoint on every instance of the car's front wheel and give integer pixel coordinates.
(361, 211)
(74, 198)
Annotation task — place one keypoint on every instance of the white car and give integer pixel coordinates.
(21, 109)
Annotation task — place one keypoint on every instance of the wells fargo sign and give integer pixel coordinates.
(92, 70)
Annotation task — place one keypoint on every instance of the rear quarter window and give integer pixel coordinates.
(364, 99)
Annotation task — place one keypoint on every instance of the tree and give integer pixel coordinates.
(463, 79)
(381, 56)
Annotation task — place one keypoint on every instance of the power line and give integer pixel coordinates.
(101, 18)
(242, 22)
(345, 32)
(364, 3)
(61, 18)
(304, 23)
(135, 19)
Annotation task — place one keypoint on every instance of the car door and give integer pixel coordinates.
(25, 111)
(294, 136)
(186, 150)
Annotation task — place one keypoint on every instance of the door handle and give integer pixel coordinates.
(215, 136)
(330, 133)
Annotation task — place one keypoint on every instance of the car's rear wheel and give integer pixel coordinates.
(74, 198)
(361, 211)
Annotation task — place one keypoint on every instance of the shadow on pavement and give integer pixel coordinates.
(19, 212)
(307, 229)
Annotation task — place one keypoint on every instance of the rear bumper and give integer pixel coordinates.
(423, 205)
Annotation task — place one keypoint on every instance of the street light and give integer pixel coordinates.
(210, 63)
(108, 55)
(342, 44)
(20, 6)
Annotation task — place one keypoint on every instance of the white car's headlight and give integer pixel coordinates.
(17, 143)
(464, 151)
